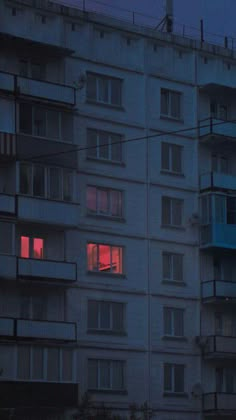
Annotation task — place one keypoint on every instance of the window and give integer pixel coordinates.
(106, 374)
(52, 183)
(172, 265)
(219, 163)
(174, 322)
(104, 201)
(226, 380)
(32, 69)
(31, 247)
(171, 104)
(47, 123)
(172, 211)
(104, 89)
(34, 307)
(171, 158)
(219, 111)
(173, 378)
(225, 324)
(104, 145)
(6, 238)
(106, 316)
(105, 258)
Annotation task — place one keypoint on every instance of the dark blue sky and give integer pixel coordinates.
(218, 15)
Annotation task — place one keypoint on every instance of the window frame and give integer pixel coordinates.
(31, 239)
(168, 114)
(98, 80)
(172, 255)
(111, 380)
(170, 153)
(98, 155)
(173, 367)
(109, 192)
(101, 272)
(172, 313)
(172, 212)
(110, 330)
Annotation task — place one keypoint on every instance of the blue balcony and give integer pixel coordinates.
(214, 290)
(218, 235)
(214, 127)
(29, 268)
(215, 180)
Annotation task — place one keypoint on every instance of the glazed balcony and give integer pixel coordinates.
(7, 204)
(7, 146)
(219, 403)
(220, 347)
(46, 270)
(42, 210)
(217, 129)
(216, 290)
(215, 180)
(7, 82)
(218, 235)
(46, 330)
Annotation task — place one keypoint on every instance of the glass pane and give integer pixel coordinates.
(103, 145)
(176, 159)
(53, 364)
(166, 262)
(116, 203)
(167, 321)
(25, 178)
(175, 105)
(36, 71)
(23, 362)
(177, 212)
(53, 125)
(25, 118)
(92, 257)
(178, 322)
(92, 150)
(37, 371)
(229, 381)
(91, 86)
(167, 377)
(92, 314)
(166, 218)
(165, 156)
(177, 267)
(23, 68)
(103, 202)
(118, 316)
(104, 258)
(117, 260)
(91, 198)
(5, 238)
(105, 318)
(117, 375)
(179, 378)
(115, 86)
(55, 181)
(218, 324)
(104, 368)
(224, 165)
(39, 307)
(231, 209)
(219, 380)
(214, 163)
(67, 127)
(39, 118)
(24, 247)
(102, 90)
(164, 102)
(67, 185)
(116, 148)
(220, 204)
(67, 365)
(38, 248)
(92, 374)
(38, 181)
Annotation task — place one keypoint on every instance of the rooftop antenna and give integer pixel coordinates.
(167, 22)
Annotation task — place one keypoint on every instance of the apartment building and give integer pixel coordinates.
(117, 217)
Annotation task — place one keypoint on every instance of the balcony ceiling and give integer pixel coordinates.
(218, 89)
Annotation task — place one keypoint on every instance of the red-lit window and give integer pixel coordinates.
(105, 258)
(31, 247)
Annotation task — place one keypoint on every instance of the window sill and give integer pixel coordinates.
(108, 391)
(171, 119)
(174, 338)
(175, 394)
(104, 104)
(103, 217)
(171, 173)
(174, 283)
(173, 227)
(105, 332)
(105, 274)
(106, 161)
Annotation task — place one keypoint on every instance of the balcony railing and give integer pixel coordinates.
(46, 270)
(46, 90)
(7, 81)
(47, 211)
(215, 180)
(7, 327)
(218, 346)
(216, 127)
(7, 203)
(7, 266)
(218, 289)
(219, 401)
(218, 235)
(50, 330)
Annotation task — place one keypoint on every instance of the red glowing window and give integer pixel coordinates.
(31, 247)
(105, 258)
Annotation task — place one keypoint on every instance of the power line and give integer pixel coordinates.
(146, 137)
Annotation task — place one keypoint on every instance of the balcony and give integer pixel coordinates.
(218, 290)
(7, 327)
(46, 330)
(7, 146)
(217, 129)
(7, 204)
(218, 235)
(31, 394)
(46, 90)
(215, 180)
(7, 82)
(219, 403)
(7, 266)
(220, 347)
(41, 210)
(46, 270)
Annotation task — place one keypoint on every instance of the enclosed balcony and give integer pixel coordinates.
(219, 404)
(219, 347)
(33, 268)
(7, 82)
(216, 180)
(7, 146)
(7, 204)
(217, 129)
(219, 290)
(62, 331)
(7, 266)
